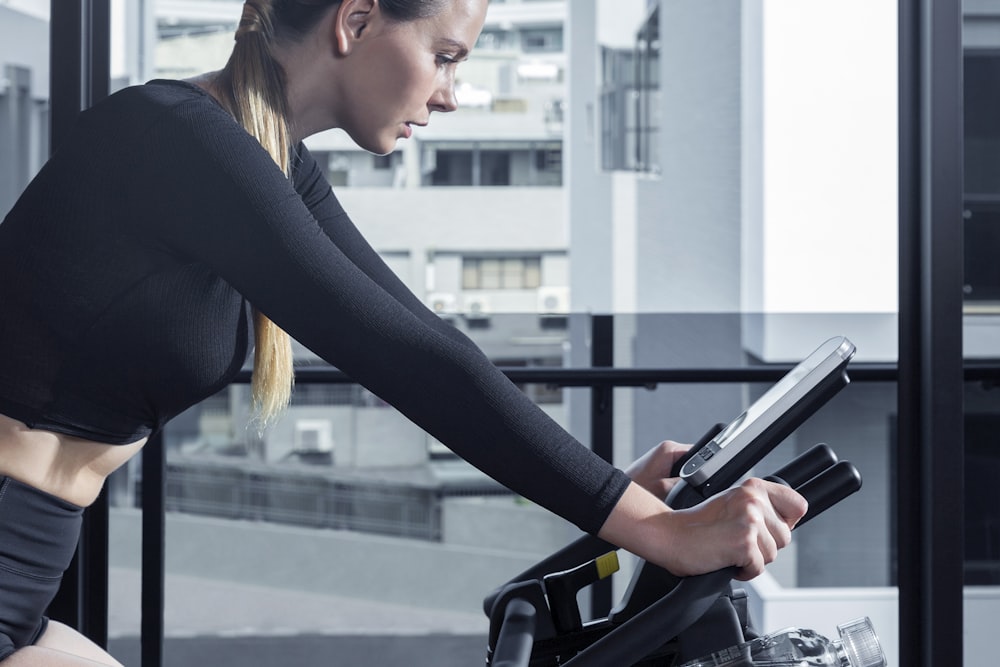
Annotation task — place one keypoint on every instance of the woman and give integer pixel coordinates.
(185, 222)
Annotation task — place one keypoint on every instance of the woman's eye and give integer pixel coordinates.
(445, 60)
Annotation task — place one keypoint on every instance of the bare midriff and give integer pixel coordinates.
(64, 466)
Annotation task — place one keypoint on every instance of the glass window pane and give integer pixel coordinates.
(490, 273)
(533, 273)
(470, 274)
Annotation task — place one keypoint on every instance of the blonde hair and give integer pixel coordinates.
(252, 87)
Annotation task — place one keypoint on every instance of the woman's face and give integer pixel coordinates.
(403, 71)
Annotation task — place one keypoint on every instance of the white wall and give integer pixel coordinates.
(688, 235)
(823, 609)
(826, 157)
(588, 191)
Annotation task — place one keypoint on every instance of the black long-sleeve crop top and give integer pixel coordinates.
(128, 265)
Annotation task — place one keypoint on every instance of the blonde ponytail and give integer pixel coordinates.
(252, 87)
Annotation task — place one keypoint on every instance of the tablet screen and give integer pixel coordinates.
(789, 402)
(764, 403)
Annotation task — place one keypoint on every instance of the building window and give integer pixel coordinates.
(483, 273)
(453, 167)
(630, 99)
(542, 40)
(324, 394)
(549, 161)
(516, 163)
(382, 162)
(494, 168)
(495, 40)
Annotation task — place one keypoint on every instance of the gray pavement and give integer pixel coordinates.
(198, 607)
(210, 622)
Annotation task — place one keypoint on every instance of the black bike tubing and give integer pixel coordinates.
(633, 641)
(577, 552)
(517, 636)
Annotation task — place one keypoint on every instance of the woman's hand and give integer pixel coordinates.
(744, 526)
(651, 471)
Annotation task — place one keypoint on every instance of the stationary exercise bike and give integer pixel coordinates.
(663, 620)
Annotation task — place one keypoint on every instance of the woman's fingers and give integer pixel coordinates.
(773, 510)
(652, 470)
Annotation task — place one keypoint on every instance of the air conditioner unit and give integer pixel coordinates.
(313, 435)
(553, 300)
(442, 303)
(476, 306)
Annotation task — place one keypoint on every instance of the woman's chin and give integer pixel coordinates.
(379, 147)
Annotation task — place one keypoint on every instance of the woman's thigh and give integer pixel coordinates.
(61, 646)
(37, 656)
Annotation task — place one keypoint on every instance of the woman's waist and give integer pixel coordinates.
(65, 466)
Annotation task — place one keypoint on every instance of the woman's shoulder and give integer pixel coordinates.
(162, 94)
(167, 110)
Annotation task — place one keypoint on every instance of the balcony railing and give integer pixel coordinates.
(84, 598)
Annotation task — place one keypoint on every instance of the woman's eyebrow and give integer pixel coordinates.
(461, 50)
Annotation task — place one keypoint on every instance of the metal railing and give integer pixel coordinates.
(601, 378)
(84, 596)
(89, 578)
(314, 497)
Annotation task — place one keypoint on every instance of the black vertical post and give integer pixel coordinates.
(602, 354)
(930, 465)
(154, 461)
(80, 56)
(80, 60)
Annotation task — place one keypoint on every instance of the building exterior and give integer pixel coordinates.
(24, 96)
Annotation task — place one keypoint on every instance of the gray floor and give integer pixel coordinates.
(207, 622)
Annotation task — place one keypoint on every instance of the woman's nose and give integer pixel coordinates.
(444, 99)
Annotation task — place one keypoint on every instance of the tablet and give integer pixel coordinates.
(729, 455)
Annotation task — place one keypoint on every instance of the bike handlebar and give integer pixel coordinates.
(817, 475)
(691, 598)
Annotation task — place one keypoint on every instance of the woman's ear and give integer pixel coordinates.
(352, 21)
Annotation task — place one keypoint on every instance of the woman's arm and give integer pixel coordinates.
(748, 533)
(227, 206)
(230, 208)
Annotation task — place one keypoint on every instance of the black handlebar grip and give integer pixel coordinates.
(807, 465)
(517, 635)
(829, 488)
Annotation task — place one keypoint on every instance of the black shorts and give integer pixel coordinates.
(38, 537)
